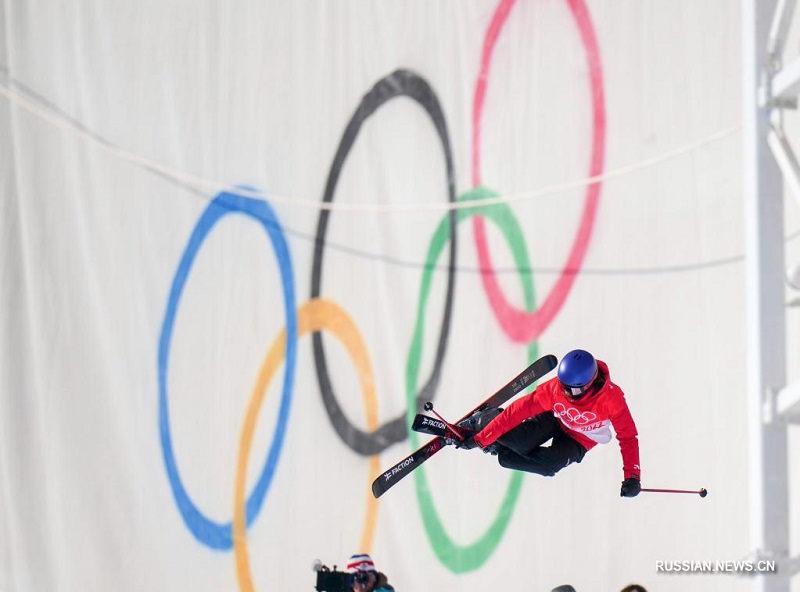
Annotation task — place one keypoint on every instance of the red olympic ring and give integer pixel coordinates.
(522, 325)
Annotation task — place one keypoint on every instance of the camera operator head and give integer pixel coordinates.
(365, 577)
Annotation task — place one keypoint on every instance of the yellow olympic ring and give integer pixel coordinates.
(315, 315)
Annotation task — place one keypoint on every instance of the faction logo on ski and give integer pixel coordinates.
(399, 468)
(433, 422)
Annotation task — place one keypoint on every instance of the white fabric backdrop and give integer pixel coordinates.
(101, 94)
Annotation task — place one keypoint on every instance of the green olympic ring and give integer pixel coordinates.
(458, 558)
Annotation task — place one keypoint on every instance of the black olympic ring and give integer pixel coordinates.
(398, 83)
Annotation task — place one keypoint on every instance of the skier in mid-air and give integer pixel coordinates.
(575, 409)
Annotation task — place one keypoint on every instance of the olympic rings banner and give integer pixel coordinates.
(243, 245)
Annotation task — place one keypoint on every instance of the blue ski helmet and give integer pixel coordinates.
(577, 372)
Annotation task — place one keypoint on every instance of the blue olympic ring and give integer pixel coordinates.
(213, 534)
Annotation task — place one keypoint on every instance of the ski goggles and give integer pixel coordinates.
(576, 392)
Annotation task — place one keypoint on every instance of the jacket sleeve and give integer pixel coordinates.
(511, 417)
(626, 432)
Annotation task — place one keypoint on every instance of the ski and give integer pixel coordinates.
(425, 424)
(527, 377)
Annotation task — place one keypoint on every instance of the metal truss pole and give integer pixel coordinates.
(765, 24)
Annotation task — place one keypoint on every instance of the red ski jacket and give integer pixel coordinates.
(587, 420)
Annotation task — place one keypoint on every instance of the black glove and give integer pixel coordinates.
(468, 443)
(630, 487)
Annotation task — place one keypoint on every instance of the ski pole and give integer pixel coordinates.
(428, 406)
(702, 492)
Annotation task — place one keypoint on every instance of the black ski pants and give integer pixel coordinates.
(522, 447)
